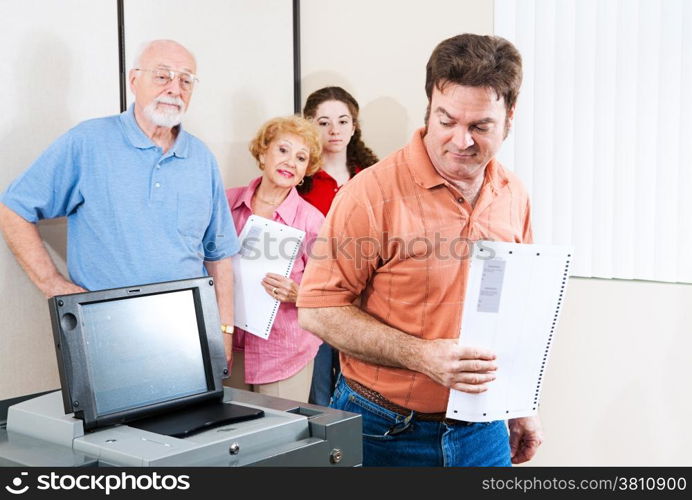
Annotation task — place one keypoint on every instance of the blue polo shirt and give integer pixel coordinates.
(134, 214)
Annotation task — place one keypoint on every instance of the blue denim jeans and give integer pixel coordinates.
(388, 440)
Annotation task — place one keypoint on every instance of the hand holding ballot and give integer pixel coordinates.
(280, 288)
(463, 368)
(512, 305)
(263, 273)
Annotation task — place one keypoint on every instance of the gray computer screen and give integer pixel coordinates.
(143, 350)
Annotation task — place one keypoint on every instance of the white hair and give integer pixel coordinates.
(146, 45)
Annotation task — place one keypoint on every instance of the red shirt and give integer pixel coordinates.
(324, 189)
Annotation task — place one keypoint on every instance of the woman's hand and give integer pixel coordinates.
(282, 289)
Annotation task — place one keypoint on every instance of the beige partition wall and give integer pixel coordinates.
(377, 51)
(617, 388)
(59, 66)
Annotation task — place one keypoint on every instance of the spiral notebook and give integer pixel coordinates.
(266, 246)
(512, 305)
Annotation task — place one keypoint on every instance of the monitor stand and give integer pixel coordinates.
(190, 420)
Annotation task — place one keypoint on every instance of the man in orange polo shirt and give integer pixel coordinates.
(397, 239)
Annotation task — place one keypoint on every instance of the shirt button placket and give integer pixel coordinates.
(157, 189)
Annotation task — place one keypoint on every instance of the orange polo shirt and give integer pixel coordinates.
(397, 237)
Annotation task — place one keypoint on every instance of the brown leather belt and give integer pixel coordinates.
(380, 400)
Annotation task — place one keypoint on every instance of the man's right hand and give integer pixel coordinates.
(25, 243)
(466, 369)
(61, 287)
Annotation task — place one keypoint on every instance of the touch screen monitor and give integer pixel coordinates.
(152, 356)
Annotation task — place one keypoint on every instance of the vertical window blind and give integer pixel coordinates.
(603, 131)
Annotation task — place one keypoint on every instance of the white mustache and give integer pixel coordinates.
(170, 100)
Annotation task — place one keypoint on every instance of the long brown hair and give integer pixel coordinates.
(357, 153)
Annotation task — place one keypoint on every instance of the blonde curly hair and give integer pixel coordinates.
(294, 125)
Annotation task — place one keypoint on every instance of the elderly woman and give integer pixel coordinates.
(286, 149)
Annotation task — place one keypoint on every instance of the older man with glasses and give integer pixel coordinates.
(143, 198)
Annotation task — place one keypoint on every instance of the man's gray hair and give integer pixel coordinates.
(146, 45)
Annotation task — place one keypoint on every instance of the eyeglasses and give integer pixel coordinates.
(163, 77)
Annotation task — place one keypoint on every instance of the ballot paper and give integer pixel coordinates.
(266, 246)
(512, 305)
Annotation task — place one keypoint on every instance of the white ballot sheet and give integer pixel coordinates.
(512, 304)
(266, 246)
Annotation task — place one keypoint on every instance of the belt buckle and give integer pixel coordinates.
(400, 427)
